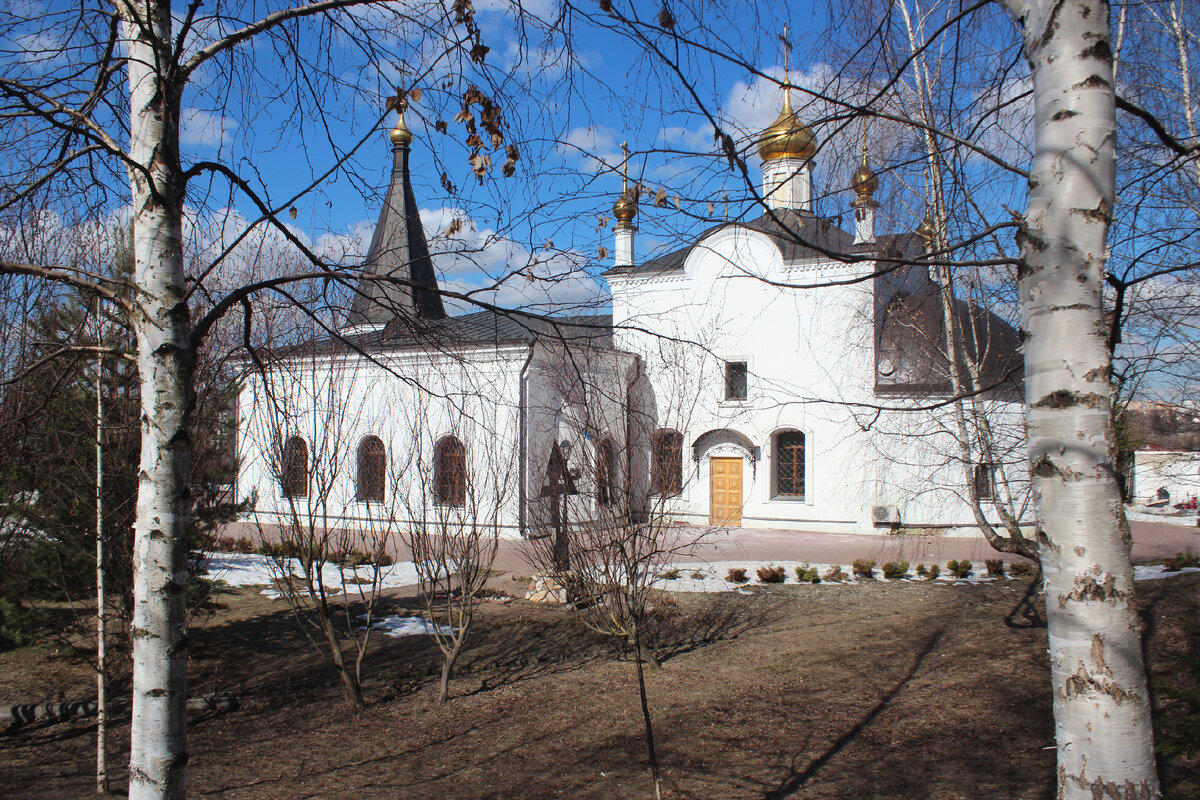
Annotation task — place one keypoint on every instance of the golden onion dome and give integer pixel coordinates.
(787, 136)
(625, 209)
(400, 134)
(864, 181)
(926, 230)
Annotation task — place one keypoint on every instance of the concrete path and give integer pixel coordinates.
(1151, 541)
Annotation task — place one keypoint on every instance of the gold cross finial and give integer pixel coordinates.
(787, 46)
(625, 166)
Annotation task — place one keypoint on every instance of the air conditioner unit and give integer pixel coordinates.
(885, 515)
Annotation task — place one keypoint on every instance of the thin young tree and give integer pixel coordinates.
(451, 495)
(606, 542)
(308, 420)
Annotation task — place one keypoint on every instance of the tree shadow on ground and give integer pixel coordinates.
(1029, 612)
(796, 780)
(708, 620)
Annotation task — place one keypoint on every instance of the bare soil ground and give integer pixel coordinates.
(897, 690)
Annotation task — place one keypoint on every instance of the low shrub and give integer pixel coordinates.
(227, 544)
(934, 571)
(959, 569)
(1181, 561)
(895, 570)
(995, 567)
(669, 575)
(736, 575)
(770, 574)
(835, 574)
(864, 568)
(353, 558)
(697, 576)
(922, 571)
(801, 571)
(1020, 568)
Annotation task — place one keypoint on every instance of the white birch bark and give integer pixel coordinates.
(101, 596)
(1101, 707)
(158, 755)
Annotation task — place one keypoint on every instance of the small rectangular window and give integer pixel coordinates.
(735, 380)
(984, 482)
(666, 471)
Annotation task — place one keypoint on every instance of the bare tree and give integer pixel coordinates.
(604, 528)
(452, 494)
(308, 421)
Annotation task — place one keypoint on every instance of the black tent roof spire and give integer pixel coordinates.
(398, 251)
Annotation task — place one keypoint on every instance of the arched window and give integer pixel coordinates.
(450, 472)
(789, 464)
(666, 467)
(372, 469)
(293, 472)
(606, 471)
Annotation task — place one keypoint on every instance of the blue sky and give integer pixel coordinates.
(568, 101)
(568, 127)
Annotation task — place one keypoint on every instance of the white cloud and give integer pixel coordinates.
(200, 128)
(41, 48)
(596, 147)
(498, 270)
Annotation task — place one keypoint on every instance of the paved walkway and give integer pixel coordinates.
(1151, 541)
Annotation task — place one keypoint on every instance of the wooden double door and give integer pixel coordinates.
(725, 491)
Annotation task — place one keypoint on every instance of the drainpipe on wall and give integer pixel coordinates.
(522, 429)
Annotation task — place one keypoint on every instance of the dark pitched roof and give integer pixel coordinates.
(496, 328)
(480, 329)
(398, 250)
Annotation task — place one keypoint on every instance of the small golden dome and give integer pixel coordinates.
(400, 134)
(863, 181)
(625, 209)
(927, 231)
(787, 136)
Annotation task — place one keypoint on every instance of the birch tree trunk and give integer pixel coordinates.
(101, 597)
(158, 755)
(1101, 706)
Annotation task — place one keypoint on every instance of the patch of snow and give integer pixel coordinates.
(252, 569)
(1166, 515)
(713, 575)
(396, 627)
(1154, 572)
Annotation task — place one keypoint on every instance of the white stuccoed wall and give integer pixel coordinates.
(811, 359)
(410, 400)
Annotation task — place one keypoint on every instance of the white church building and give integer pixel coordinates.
(762, 375)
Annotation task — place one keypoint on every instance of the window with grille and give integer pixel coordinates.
(450, 472)
(985, 486)
(789, 464)
(736, 380)
(606, 472)
(293, 473)
(372, 469)
(667, 462)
